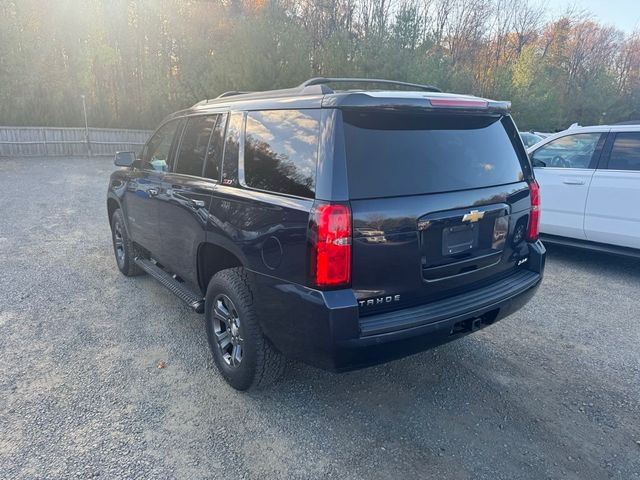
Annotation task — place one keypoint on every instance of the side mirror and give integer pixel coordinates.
(125, 159)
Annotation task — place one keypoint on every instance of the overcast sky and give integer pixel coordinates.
(622, 14)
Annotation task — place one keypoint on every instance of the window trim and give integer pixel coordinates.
(241, 178)
(241, 142)
(606, 160)
(518, 145)
(219, 116)
(176, 148)
(227, 120)
(596, 156)
(603, 164)
(224, 145)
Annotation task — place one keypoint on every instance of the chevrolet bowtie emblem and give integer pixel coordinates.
(473, 216)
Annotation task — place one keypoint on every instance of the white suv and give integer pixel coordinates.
(590, 187)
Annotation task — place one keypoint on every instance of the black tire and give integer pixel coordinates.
(123, 248)
(260, 364)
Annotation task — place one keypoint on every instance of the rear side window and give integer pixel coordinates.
(193, 147)
(625, 154)
(395, 154)
(281, 150)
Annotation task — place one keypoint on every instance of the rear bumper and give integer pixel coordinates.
(428, 333)
(324, 329)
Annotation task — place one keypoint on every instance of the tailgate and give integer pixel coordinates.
(440, 204)
(413, 250)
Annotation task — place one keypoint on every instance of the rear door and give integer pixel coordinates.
(440, 204)
(185, 194)
(612, 214)
(564, 168)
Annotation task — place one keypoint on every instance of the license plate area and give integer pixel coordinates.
(451, 247)
(459, 239)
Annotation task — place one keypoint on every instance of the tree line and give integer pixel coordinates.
(138, 60)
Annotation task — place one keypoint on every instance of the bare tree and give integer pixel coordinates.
(627, 64)
(466, 28)
(527, 23)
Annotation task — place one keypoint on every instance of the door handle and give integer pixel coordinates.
(573, 182)
(152, 192)
(192, 201)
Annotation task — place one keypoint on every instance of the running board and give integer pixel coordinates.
(593, 246)
(179, 289)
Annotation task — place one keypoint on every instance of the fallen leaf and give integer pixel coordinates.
(162, 364)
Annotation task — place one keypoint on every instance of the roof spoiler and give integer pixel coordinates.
(459, 104)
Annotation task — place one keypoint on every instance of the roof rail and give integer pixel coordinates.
(325, 80)
(230, 93)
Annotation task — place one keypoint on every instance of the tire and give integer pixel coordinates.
(230, 316)
(124, 249)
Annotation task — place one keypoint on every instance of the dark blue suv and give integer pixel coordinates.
(341, 228)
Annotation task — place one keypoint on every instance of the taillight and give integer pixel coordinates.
(458, 102)
(330, 242)
(534, 216)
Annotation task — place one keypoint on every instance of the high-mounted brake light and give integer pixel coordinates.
(458, 102)
(534, 215)
(330, 240)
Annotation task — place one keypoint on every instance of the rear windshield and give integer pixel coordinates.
(395, 154)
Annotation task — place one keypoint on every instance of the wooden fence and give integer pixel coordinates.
(50, 141)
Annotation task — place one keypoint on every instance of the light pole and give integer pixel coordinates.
(86, 125)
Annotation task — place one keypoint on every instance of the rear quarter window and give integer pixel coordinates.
(281, 149)
(396, 154)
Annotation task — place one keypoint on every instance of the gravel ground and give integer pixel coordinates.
(551, 392)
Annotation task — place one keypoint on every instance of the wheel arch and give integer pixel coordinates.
(112, 206)
(213, 258)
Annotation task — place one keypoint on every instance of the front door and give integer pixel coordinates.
(564, 168)
(144, 187)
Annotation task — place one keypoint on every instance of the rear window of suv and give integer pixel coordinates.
(395, 154)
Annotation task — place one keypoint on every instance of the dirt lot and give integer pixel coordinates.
(551, 392)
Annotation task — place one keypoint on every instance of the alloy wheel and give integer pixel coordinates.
(118, 243)
(226, 328)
